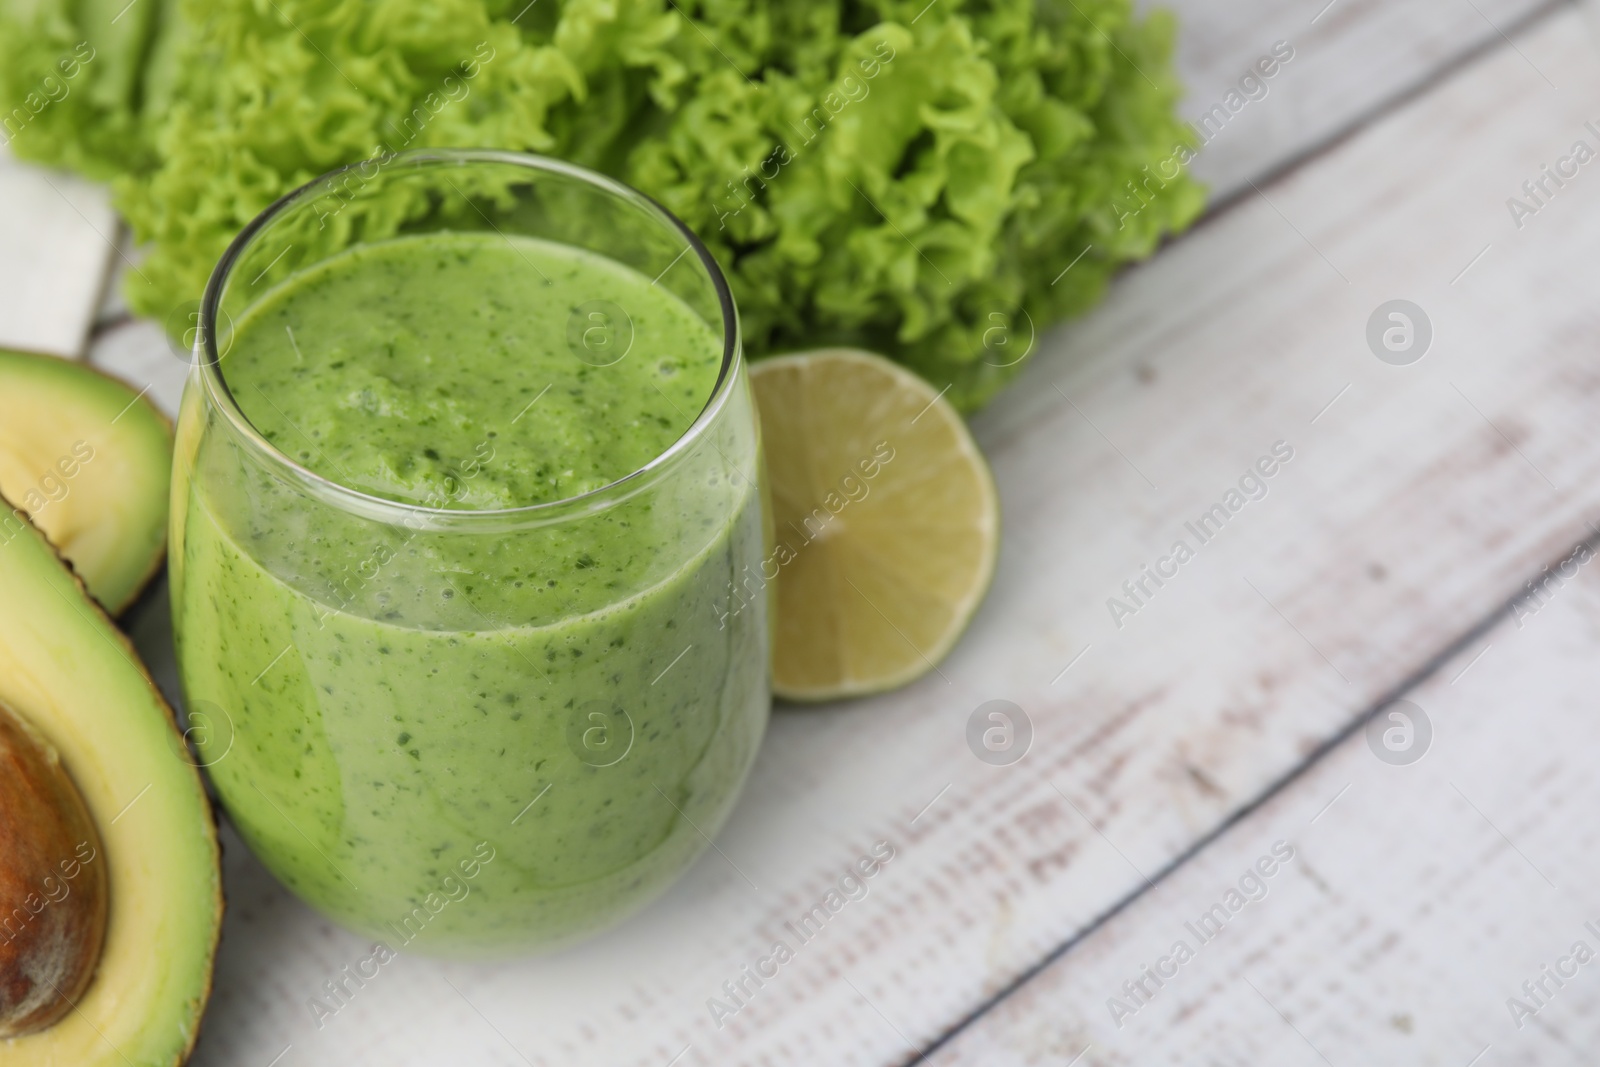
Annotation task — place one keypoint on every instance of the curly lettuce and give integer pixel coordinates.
(937, 181)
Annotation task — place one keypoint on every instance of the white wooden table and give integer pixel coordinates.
(1224, 719)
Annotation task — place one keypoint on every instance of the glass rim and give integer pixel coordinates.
(209, 365)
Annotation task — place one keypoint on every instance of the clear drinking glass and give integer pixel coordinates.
(472, 730)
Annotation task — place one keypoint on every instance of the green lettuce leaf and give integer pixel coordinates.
(913, 177)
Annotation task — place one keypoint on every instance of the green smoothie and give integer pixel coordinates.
(495, 733)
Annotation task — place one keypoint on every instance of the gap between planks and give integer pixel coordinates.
(1409, 683)
(1467, 58)
(1436, 76)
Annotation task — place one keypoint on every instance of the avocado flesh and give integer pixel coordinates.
(89, 461)
(75, 679)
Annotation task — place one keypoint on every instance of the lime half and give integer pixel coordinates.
(887, 522)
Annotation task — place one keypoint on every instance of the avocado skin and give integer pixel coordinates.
(34, 392)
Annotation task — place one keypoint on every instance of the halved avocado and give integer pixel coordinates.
(72, 677)
(89, 460)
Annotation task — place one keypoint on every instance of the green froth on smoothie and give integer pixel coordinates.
(398, 696)
(392, 367)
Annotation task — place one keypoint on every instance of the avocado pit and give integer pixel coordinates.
(53, 894)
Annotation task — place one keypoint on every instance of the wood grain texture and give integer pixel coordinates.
(1419, 900)
(1352, 58)
(1415, 503)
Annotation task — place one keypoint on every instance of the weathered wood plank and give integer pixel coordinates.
(1403, 514)
(1352, 58)
(56, 234)
(1419, 899)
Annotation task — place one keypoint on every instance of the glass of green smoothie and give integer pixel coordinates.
(467, 544)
